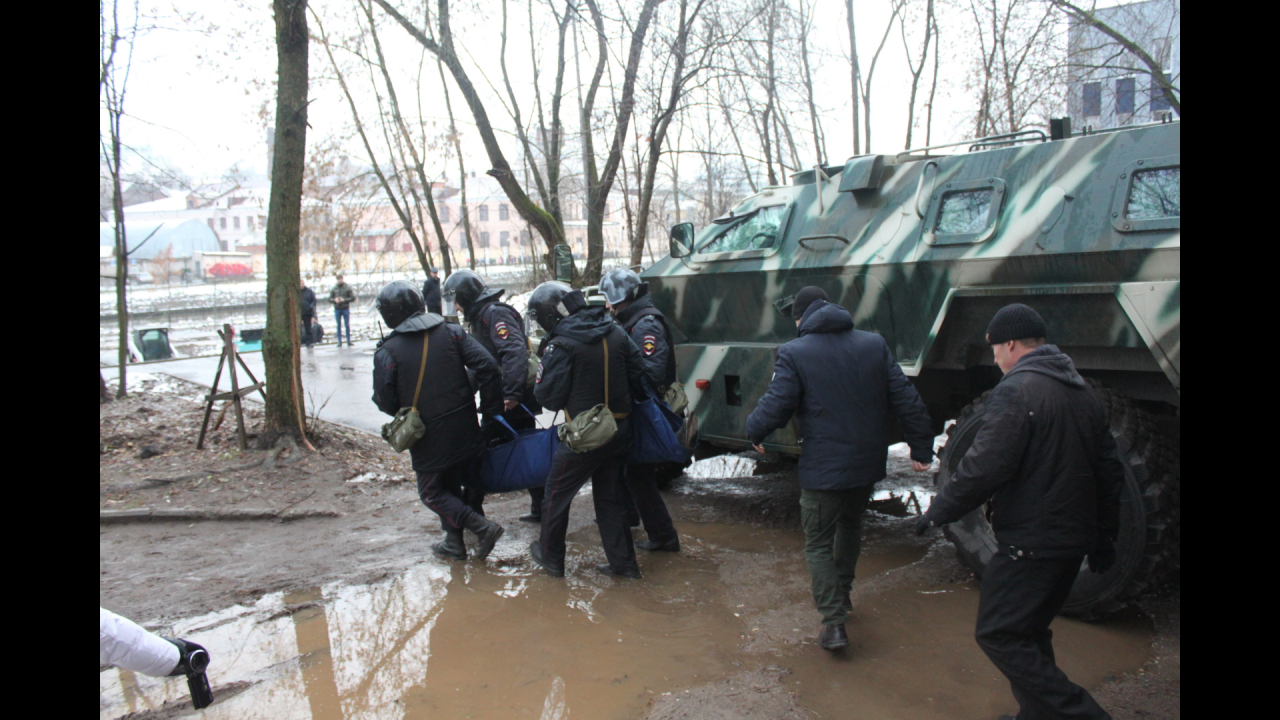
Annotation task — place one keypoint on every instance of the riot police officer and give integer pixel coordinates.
(447, 457)
(500, 329)
(589, 361)
(628, 299)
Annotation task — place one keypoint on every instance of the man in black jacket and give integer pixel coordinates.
(500, 329)
(307, 302)
(431, 292)
(572, 377)
(628, 299)
(447, 457)
(1046, 460)
(841, 384)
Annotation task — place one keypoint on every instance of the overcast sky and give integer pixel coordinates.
(196, 99)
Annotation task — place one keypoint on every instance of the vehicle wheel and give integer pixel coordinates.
(1147, 550)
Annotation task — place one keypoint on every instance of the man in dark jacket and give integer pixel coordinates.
(842, 384)
(586, 353)
(628, 299)
(342, 297)
(447, 457)
(431, 292)
(1047, 461)
(500, 329)
(307, 302)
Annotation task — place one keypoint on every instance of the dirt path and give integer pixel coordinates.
(724, 629)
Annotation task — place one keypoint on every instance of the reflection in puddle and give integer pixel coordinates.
(722, 466)
(498, 640)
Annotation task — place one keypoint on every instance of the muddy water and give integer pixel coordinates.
(502, 641)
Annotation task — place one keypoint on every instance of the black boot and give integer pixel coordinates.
(672, 545)
(535, 552)
(833, 637)
(487, 533)
(607, 569)
(452, 546)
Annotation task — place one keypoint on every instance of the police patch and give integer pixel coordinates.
(501, 329)
(650, 344)
(539, 378)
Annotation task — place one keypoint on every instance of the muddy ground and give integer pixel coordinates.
(724, 629)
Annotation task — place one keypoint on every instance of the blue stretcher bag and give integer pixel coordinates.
(523, 463)
(654, 435)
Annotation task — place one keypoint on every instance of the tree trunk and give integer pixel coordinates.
(462, 168)
(856, 74)
(280, 340)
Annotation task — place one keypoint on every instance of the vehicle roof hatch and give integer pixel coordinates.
(862, 173)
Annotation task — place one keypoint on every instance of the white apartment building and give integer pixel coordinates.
(1109, 87)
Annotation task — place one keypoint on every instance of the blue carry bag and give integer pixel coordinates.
(523, 463)
(653, 435)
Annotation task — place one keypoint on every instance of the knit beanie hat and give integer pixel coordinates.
(1015, 322)
(804, 299)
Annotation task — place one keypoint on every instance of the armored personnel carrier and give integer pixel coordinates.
(923, 247)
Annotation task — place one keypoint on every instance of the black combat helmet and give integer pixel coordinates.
(463, 287)
(398, 301)
(551, 301)
(622, 285)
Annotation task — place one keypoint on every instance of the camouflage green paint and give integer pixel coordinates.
(1109, 296)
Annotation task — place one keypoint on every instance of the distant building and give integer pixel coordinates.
(232, 210)
(1109, 87)
(185, 242)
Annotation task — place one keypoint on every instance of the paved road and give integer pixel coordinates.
(341, 376)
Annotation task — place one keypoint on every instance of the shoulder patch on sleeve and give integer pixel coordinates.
(650, 344)
(501, 329)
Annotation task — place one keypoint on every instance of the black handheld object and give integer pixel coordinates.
(192, 661)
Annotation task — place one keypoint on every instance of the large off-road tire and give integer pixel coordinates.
(1147, 550)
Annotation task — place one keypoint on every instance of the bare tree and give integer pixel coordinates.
(805, 19)
(916, 70)
(442, 46)
(855, 73)
(280, 341)
(112, 85)
(395, 193)
(1020, 80)
(682, 72)
(871, 71)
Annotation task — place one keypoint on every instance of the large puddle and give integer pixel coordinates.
(466, 640)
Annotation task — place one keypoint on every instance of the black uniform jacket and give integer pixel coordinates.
(571, 374)
(307, 301)
(1046, 459)
(446, 403)
(649, 331)
(500, 329)
(841, 384)
(431, 295)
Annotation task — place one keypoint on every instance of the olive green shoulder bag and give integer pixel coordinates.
(407, 428)
(595, 427)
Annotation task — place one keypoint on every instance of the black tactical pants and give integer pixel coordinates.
(604, 467)
(453, 493)
(642, 484)
(1019, 600)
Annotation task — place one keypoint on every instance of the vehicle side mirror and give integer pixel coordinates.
(563, 263)
(682, 240)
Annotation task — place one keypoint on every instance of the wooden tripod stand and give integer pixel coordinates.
(229, 358)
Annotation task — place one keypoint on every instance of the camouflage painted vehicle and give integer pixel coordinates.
(923, 249)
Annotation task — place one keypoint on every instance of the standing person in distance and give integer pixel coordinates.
(1046, 460)
(572, 377)
(431, 291)
(447, 457)
(841, 384)
(342, 297)
(628, 299)
(307, 301)
(500, 329)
